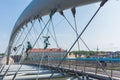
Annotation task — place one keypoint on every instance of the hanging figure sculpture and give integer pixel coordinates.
(29, 47)
(46, 41)
(16, 47)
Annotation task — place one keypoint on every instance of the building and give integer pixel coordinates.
(16, 58)
(108, 55)
(4, 60)
(50, 53)
(72, 55)
(114, 54)
(101, 55)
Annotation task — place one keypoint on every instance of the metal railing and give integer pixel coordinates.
(87, 65)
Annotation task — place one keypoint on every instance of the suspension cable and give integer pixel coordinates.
(26, 36)
(102, 3)
(35, 32)
(31, 37)
(37, 78)
(74, 13)
(6, 71)
(41, 33)
(33, 46)
(19, 37)
(52, 13)
(20, 47)
(41, 21)
(30, 50)
(73, 10)
(53, 27)
(40, 62)
(53, 37)
(19, 64)
(73, 29)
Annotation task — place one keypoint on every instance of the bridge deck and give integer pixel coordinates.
(81, 73)
(83, 67)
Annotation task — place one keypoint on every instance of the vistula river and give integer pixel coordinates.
(28, 72)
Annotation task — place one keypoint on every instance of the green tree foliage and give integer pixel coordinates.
(87, 53)
(2, 54)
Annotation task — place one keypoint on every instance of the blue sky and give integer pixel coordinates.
(103, 31)
(9, 12)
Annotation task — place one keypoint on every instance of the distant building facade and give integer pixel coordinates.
(72, 55)
(4, 60)
(107, 55)
(50, 53)
(114, 54)
(16, 58)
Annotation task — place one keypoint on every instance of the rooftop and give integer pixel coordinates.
(36, 50)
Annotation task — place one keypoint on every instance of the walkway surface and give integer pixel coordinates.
(27, 72)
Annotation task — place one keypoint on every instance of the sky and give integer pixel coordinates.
(10, 10)
(103, 32)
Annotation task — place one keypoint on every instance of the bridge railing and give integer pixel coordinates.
(104, 66)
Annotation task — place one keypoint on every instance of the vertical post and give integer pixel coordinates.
(96, 68)
(83, 77)
(8, 55)
(76, 64)
(111, 68)
(69, 64)
(84, 66)
(87, 77)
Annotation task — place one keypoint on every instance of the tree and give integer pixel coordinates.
(87, 53)
(2, 54)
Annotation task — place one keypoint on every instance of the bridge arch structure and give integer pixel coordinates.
(40, 8)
